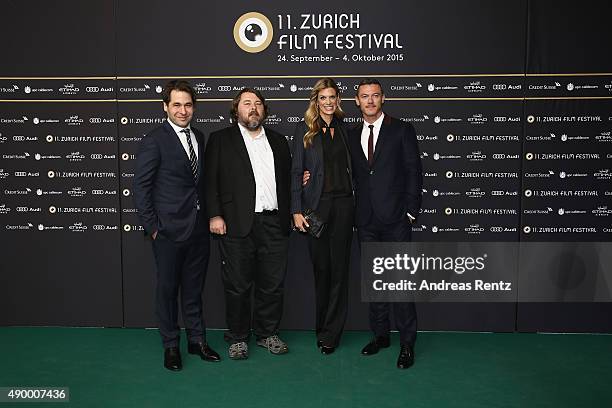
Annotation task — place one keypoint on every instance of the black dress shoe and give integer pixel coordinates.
(172, 359)
(406, 357)
(375, 344)
(204, 351)
(327, 349)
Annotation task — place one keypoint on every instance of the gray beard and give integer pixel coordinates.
(252, 124)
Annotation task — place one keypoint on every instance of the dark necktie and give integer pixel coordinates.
(371, 145)
(193, 160)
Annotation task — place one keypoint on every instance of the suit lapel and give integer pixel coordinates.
(384, 129)
(343, 137)
(358, 150)
(317, 143)
(241, 149)
(201, 146)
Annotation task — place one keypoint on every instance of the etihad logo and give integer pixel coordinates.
(76, 192)
(602, 211)
(253, 32)
(604, 137)
(475, 193)
(273, 120)
(69, 89)
(77, 227)
(75, 157)
(603, 174)
(475, 86)
(202, 88)
(477, 119)
(73, 120)
(474, 229)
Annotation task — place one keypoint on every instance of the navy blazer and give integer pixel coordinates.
(165, 191)
(311, 159)
(392, 186)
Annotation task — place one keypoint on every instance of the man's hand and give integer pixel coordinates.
(305, 177)
(217, 225)
(300, 222)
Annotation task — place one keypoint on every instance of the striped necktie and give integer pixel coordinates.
(193, 160)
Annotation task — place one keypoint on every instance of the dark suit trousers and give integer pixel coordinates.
(181, 265)
(404, 312)
(331, 254)
(258, 263)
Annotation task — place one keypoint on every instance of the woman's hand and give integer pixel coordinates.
(300, 222)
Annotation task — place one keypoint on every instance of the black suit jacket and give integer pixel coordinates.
(230, 183)
(165, 191)
(393, 185)
(311, 159)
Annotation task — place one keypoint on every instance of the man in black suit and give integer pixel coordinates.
(169, 194)
(388, 183)
(247, 194)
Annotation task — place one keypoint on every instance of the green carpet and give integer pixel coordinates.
(123, 368)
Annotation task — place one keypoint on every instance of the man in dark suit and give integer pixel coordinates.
(388, 183)
(169, 194)
(247, 194)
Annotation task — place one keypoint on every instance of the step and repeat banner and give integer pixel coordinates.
(512, 113)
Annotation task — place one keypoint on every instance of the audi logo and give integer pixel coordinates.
(20, 173)
(95, 120)
(500, 86)
(97, 192)
(96, 156)
(497, 193)
(98, 227)
(92, 89)
(224, 88)
(499, 156)
(293, 119)
(18, 138)
(21, 209)
(496, 229)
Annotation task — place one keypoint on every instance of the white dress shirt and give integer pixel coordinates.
(365, 134)
(183, 139)
(262, 162)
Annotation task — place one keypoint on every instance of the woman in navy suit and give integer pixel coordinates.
(320, 147)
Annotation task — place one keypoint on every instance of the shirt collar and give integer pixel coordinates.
(377, 123)
(177, 129)
(332, 124)
(245, 132)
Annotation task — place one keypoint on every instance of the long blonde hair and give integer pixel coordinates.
(311, 116)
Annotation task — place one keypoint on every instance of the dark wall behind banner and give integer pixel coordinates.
(456, 70)
(64, 38)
